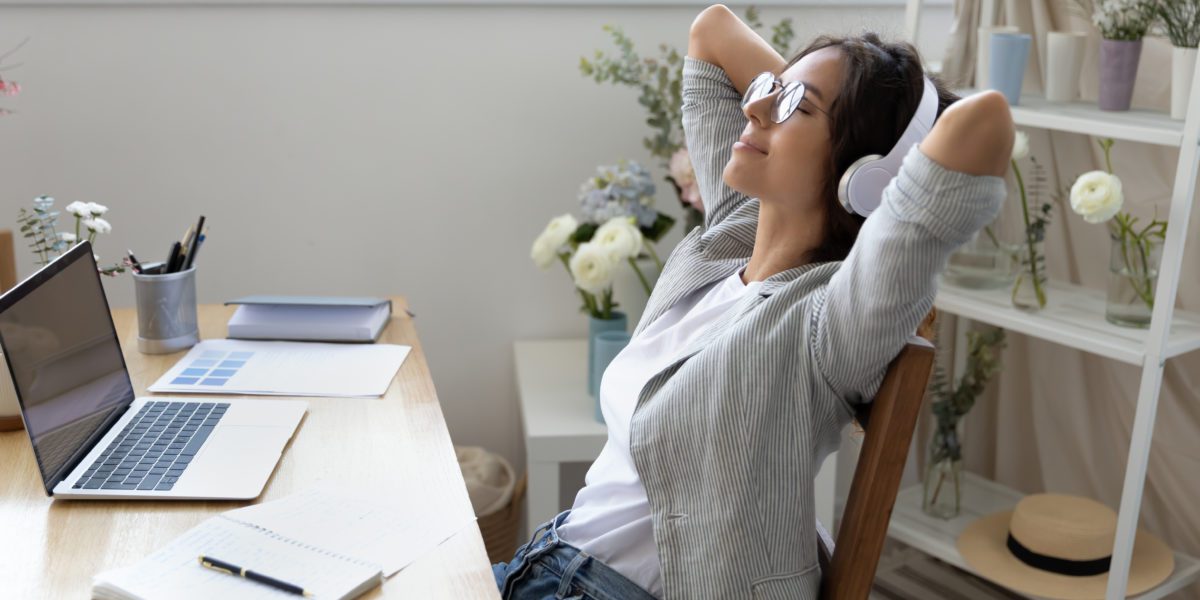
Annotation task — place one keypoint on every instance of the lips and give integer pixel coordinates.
(749, 144)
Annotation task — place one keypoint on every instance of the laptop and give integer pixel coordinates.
(91, 437)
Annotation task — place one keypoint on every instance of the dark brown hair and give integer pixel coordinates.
(881, 88)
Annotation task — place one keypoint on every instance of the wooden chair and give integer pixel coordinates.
(889, 422)
(8, 261)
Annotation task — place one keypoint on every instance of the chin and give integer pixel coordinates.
(737, 177)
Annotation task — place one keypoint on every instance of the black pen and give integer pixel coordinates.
(224, 567)
(133, 263)
(195, 243)
(173, 258)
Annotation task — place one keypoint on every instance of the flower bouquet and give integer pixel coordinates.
(619, 225)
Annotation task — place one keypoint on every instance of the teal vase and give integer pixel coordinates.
(608, 344)
(618, 322)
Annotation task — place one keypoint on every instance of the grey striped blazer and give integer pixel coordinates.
(728, 438)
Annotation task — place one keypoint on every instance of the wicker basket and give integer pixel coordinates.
(499, 528)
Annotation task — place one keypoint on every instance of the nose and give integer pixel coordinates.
(759, 111)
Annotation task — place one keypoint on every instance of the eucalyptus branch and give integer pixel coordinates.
(1035, 231)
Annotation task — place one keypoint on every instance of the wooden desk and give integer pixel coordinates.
(394, 445)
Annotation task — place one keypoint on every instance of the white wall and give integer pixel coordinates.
(411, 150)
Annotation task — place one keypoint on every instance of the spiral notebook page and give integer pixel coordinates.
(174, 571)
(393, 534)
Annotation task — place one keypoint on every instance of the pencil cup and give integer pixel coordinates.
(608, 345)
(1006, 69)
(166, 311)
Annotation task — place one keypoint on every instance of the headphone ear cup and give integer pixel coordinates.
(850, 188)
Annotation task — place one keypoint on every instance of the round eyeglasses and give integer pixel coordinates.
(785, 103)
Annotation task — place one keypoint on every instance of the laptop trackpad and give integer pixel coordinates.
(235, 463)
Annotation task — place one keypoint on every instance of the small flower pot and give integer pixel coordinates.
(1118, 71)
(1183, 66)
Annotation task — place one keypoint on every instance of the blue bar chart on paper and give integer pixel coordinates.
(284, 369)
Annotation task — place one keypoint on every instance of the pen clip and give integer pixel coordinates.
(205, 563)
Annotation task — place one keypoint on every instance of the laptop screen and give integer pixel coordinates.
(62, 350)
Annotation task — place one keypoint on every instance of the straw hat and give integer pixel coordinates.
(1060, 534)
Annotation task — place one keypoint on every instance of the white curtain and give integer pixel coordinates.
(1057, 419)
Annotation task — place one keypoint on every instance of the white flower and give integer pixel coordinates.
(97, 225)
(620, 237)
(543, 252)
(560, 228)
(593, 268)
(96, 209)
(546, 246)
(1020, 146)
(79, 209)
(69, 238)
(1097, 196)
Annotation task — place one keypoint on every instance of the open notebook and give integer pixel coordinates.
(334, 544)
(175, 572)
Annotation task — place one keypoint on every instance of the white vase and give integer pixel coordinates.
(1183, 65)
(10, 412)
(983, 45)
(1064, 61)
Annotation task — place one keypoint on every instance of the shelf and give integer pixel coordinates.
(1073, 317)
(980, 497)
(1151, 127)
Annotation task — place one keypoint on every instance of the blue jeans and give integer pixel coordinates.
(548, 567)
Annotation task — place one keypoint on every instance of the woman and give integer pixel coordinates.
(766, 327)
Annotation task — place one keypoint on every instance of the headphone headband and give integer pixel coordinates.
(861, 188)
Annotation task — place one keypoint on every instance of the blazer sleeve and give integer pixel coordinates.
(712, 122)
(887, 283)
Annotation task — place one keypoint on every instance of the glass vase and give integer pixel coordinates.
(985, 262)
(943, 475)
(1132, 278)
(1029, 287)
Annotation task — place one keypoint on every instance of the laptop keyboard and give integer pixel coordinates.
(154, 448)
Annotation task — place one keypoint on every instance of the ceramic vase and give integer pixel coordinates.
(608, 345)
(618, 322)
(983, 47)
(1183, 66)
(1064, 59)
(1118, 71)
(1006, 70)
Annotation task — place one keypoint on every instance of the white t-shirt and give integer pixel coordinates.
(611, 516)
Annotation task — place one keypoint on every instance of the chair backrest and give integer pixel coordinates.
(8, 261)
(889, 420)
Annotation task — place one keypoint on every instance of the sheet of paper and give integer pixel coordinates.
(393, 534)
(285, 368)
(174, 571)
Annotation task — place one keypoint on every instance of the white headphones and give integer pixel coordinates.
(861, 188)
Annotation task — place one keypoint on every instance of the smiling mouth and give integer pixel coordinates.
(744, 143)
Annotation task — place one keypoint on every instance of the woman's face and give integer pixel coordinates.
(786, 162)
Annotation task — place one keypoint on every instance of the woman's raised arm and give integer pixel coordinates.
(719, 37)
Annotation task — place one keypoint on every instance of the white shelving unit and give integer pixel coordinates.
(1075, 318)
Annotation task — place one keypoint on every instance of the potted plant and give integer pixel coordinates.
(1029, 287)
(1123, 24)
(1181, 22)
(1135, 250)
(942, 496)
